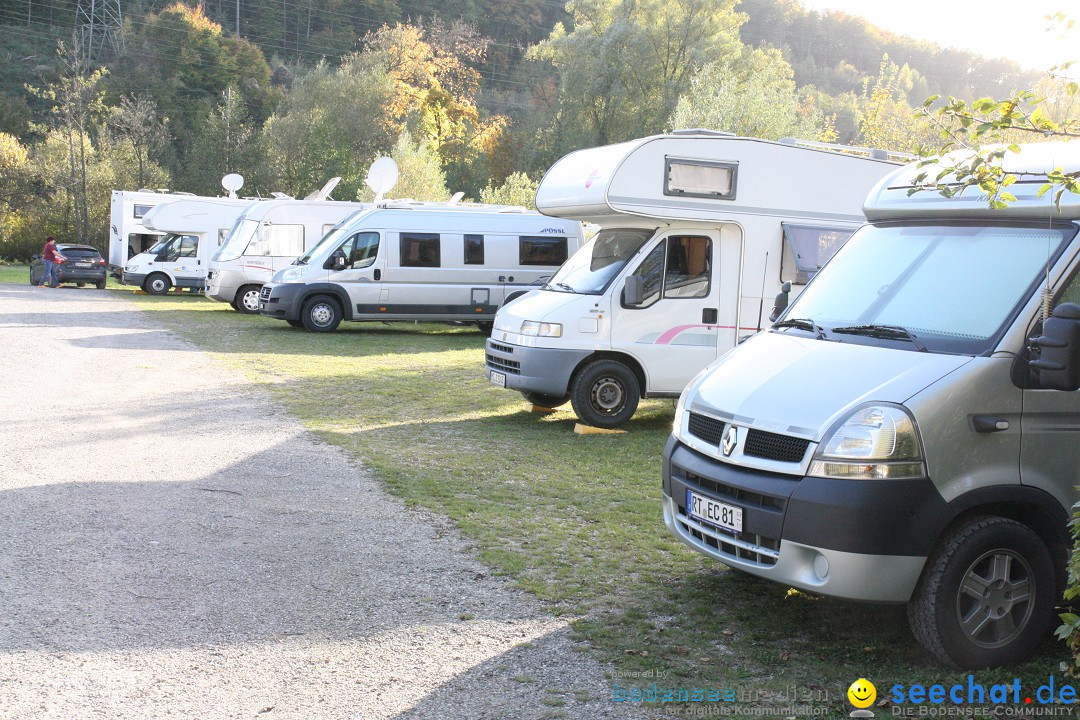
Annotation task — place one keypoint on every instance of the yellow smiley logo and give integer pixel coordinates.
(862, 693)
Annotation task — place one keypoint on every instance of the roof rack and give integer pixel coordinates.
(873, 153)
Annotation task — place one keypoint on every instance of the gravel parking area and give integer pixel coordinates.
(175, 545)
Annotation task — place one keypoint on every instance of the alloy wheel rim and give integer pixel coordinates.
(994, 601)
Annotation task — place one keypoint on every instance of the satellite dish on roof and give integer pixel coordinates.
(382, 175)
(232, 182)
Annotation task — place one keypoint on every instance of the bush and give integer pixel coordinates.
(1069, 631)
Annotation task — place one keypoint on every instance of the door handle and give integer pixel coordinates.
(989, 423)
(377, 274)
(709, 315)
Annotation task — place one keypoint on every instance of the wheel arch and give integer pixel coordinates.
(335, 291)
(628, 360)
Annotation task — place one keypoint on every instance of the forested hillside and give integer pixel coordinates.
(473, 95)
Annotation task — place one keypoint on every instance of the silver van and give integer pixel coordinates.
(908, 431)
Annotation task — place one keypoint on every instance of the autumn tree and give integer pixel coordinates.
(887, 120)
(135, 123)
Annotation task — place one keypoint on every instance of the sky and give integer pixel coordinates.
(994, 28)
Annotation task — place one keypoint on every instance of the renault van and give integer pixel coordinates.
(908, 431)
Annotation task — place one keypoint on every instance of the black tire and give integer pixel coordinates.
(157, 284)
(247, 299)
(101, 284)
(605, 393)
(321, 313)
(548, 401)
(296, 323)
(486, 327)
(968, 609)
(78, 284)
(32, 277)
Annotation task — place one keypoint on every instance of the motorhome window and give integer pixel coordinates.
(599, 261)
(361, 249)
(550, 251)
(700, 178)
(474, 249)
(189, 246)
(222, 233)
(807, 248)
(141, 210)
(689, 267)
(955, 287)
(420, 250)
(278, 241)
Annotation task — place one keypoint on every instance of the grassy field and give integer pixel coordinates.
(574, 519)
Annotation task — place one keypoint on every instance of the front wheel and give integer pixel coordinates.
(157, 284)
(986, 595)
(78, 284)
(548, 401)
(605, 393)
(247, 299)
(321, 314)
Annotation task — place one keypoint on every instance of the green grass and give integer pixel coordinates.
(15, 274)
(574, 519)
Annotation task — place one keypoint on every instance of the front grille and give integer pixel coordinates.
(510, 367)
(747, 547)
(502, 348)
(706, 428)
(734, 494)
(772, 446)
(264, 294)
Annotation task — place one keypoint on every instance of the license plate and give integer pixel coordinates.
(714, 513)
(82, 264)
(497, 378)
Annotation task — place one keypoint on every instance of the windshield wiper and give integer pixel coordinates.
(562, 285)
(802, 324)
(888, 332)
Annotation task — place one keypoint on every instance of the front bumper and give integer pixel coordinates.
(540, 370)
(136, 279)
(222, 285)
(860, 540)
(281, 301)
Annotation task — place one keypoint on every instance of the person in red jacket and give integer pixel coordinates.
(50, 257)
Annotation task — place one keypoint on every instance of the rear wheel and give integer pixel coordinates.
(247, 299)
(486, 327)
(548, 401)
(157, 284)
(605, 393)
(321, 314)
(101, 284)
(32, 277)
(78, 284)
(986, 595)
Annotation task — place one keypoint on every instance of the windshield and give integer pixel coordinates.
(595, 265)
(954, 288)
(160, 245)
(237, 240)
(328, 239)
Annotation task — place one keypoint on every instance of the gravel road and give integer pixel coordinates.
(174, 545)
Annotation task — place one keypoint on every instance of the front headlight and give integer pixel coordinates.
(289, 275)
(541, 329)
(875, 442)
(131, 268)
(680, 413)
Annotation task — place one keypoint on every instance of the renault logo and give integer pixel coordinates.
(731, 438)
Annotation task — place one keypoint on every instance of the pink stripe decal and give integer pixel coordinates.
(668, 335)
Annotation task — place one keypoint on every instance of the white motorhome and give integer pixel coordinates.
(192, 231)
(417, 261)
(128, 235)
(267, 238)
(698, 228)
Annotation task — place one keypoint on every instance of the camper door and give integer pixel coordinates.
(179, 256)
(673, 328)
(357, 265)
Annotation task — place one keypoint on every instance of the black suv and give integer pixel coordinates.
(82, 264)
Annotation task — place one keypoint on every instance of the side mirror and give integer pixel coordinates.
(35, 256)
(634, 290)
(781, 302)
(1058, 367)
(336, 261)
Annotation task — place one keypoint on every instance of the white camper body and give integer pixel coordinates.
(698, 233)
(128, 236)
(267, 237)
(437, 262)
(192, 230)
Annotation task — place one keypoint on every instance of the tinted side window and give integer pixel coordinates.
(420, 250)
(361, 249)
(550, 251)
(189, 246)
(474, 249)
(651, 271)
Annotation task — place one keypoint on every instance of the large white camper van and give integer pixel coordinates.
(192, 231)
(267, 237)
(128, 236)
(438, 262)
(698, 229)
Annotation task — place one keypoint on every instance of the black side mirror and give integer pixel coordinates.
(634, 290)
(1058, 367)
(336, 261)
(781, 302)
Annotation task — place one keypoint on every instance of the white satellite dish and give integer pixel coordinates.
(232, 182)
(382, 176)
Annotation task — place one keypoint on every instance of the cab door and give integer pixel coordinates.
(674, 330)
(361, 275)
(180, 258)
